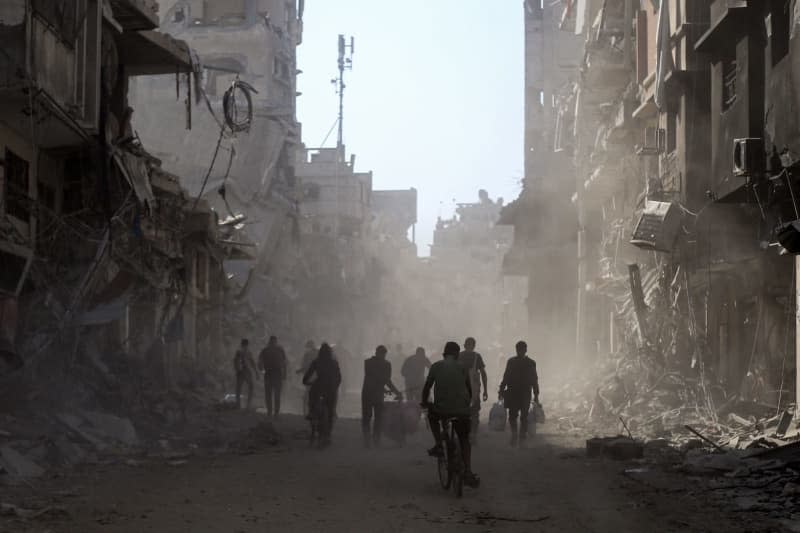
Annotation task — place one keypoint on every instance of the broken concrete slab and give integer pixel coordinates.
(75, 423)
(713, 463)
(68, 452)
(112, 427)
(619, 448)
(17, 465)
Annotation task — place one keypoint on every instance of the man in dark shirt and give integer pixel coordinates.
(476, 368)
(272, 361)
(377, 378)
(324, 377)
(244, 366)
(519, 379)
(452, 395)
(413, 372)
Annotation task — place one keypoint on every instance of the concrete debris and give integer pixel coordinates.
(17, 465)
(69, 453)
(76, 424)
(112, 428)
(619, 448)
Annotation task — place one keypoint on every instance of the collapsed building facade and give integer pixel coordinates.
(158, 204)
(101, 247)
(355, 257)
(232, 134)
(668, 151)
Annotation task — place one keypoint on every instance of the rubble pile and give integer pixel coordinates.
(106, 410)
(746, 452)
(630, 394)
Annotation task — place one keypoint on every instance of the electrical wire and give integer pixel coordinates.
(210, 168)
(335, 122)
(230, 109)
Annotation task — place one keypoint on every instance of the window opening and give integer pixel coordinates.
(17, 185)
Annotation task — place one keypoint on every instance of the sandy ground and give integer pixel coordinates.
(549, 486)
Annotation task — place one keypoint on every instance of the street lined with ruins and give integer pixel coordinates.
(288, 487)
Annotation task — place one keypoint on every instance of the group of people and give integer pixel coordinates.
(272, 367)
(459, 383)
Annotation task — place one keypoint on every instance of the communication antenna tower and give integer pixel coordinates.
(345, 63)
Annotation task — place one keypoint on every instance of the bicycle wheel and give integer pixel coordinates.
(314, 430)
(444, 473)
(324, 426)
(457, 468)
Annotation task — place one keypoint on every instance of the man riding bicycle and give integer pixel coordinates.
(325, 385)
(452, 399)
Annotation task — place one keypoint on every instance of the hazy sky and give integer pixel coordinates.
(434, 100)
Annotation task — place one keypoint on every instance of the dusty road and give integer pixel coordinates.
(550, 486)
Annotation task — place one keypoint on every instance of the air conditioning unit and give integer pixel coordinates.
(658, 227)
(788, 236)
(748, 156)
(653, 143)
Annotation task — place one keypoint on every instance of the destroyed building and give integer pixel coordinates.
(545, 237)
(103, 252)
(232, 134)
(664, 179)
(355, 250)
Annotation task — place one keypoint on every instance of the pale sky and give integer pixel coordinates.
(434, 100)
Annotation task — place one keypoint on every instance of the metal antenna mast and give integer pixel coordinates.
(345, 63)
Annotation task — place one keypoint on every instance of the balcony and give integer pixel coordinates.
(48, 74)
(136, 15)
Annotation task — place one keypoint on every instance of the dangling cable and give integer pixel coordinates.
(230, 109)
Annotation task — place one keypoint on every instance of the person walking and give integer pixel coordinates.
(245, 369)
(309, 355)
(272, 362)
(377, 378)
(324, 378)
(519, 379)
(413, 372)
(473, 363)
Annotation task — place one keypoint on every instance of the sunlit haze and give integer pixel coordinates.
(434, 100)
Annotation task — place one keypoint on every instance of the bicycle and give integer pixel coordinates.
(450, 465)
(320, 419)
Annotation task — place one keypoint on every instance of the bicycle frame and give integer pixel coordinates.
(451, 465)
(320, 420)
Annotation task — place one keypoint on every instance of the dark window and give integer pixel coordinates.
(11, 269)
(729, 73)
(17, 181)
(777, 23)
